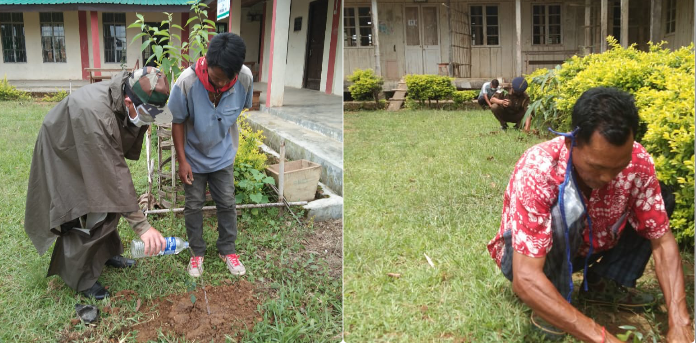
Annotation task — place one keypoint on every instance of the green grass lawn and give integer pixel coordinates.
(431, 183)
(301, 301)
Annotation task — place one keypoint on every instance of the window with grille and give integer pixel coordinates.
(52, 37)
(484, 25)
(12, 36)
(546, 24)
(220, 27)
(671, 20)
(114, 37)
(357, 26)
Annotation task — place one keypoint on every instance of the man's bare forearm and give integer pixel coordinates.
(178, 138)
(668, 268)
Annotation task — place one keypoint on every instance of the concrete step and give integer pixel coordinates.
(48, 86)
(316, 117)
(303, 143)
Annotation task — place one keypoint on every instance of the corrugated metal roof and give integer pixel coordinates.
(110, 2)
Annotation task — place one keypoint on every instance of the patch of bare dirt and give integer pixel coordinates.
(327, 243)
(233, 311)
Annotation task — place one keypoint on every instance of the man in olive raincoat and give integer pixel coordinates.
(79, 183)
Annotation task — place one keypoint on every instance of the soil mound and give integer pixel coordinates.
(233, 311)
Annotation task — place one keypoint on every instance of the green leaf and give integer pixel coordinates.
(256, 197)
(162, 33)
(140, 16)
(158, 51)
(176, 36)
(145, 44)
(176, 71)
(255, 211)
(166, 65)
(177, 27)
(210, 22)
(138, 36)
(269, 180)
(239, 198)
(190, 20)
(134, 25)
(193, 299)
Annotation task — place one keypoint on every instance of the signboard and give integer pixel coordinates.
(223, 9)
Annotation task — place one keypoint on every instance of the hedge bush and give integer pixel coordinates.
(9, 92)
(366, 85)
(662, 82)
(460, 97)
(429, 87)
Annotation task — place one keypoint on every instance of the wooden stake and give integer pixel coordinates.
(281, 176)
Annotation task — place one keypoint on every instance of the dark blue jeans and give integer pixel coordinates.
(221, 184)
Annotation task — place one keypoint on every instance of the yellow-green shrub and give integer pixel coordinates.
(461, 97)
(429, 87)
(249, 166)
(366, 85)
(55, 97)
(9, 92)
(662, 82)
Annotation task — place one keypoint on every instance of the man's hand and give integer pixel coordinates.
(185, 173)
(154, 242)
(506, 103)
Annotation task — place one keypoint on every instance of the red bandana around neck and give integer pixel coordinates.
(202, 73)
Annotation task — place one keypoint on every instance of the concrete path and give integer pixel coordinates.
(314, 110)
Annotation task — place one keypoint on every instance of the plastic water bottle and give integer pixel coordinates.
(174, 246)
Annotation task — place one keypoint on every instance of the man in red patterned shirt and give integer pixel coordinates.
(546, 234)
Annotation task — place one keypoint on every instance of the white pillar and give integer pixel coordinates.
(624, 23)
(235, 16)
(375, 37)
(280, 14)
(656, 21)
(603, 25)
(518, 38)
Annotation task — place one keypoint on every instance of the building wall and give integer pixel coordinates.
(297, 47)
(683, 35)
(297, 44)
(499, 61)
(35, 68)
(251, 32)
(267, 22)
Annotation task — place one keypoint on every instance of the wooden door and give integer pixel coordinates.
(422, 39)
(315, 44)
